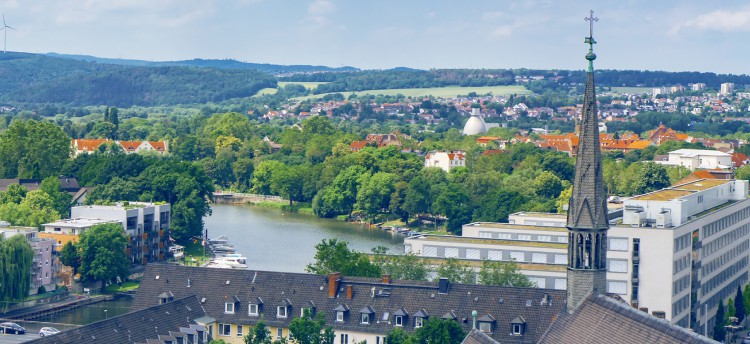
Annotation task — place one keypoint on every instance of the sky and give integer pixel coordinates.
(671, 35)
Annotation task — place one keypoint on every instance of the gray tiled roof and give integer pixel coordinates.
(601, 319)
(478, 337)
(147, 323)
(301, 288)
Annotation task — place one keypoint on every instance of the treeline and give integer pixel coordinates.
(647, 78)
(29, 78)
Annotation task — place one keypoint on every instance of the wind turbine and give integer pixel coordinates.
(5, 41)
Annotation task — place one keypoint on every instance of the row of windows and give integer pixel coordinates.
(524, 237)
(723, 276)
(726, 239)
(682, 304)
(490, 254)
(683, 322)
(725, 257)
(681, 242)
(680, 284)
(680, 264)
(727, 291)
(716, 226)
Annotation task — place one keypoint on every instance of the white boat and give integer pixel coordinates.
(177, 251)
(236, 261)
(219, 240)
(217, 265)
(222, 249)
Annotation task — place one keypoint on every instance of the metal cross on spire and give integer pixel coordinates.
(591, 21)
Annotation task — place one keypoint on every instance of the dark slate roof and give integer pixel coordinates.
(601, 319)
(140, 326)
(66, 184)
(210, 284)
(478, 337)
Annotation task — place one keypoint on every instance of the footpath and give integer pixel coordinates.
(70, 302)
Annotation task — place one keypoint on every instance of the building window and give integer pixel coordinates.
(340, 316)
(229, 308)
(281, 311)
(304, 310)
(344, 338)
(253, 310)
(618, 244)
(517, 329)
(617, 265)
(279, 333)
(399, 320)
(418, 322)
(617, 287)
(239, 330)
(225, 329)
(485, 327)
(365, 318)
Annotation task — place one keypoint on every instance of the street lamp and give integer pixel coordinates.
(105, 314)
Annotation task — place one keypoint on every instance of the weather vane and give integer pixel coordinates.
(591, 21)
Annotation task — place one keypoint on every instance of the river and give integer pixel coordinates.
(270, 238)
(281, 241)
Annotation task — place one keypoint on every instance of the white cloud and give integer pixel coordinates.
(719, 20)
(502, 31)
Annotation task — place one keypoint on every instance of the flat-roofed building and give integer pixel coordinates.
(42, 266)
(694, 159)
(675, 250)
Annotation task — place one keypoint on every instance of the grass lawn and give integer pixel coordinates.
(441, 92)
(310, 85)
(265, 91)
(192, 251)
(127, 286)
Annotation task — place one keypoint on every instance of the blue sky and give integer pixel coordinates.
(671, 35)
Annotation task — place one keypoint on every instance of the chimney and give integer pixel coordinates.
(333, 284)
(386, 279)
(443, 285)
(349, 292)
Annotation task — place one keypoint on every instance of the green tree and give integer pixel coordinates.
(404, 267)
(739, 305)
(548, 185)
(504, 274)
(719, 332)
(14, 194)
(102, 250)
(439, 331)
(730, 310)
(243, 173)
(307, 330)
(650, 177)
(61, 200)
(69, 256)
(33, 149)
(562, 201)
(456, 272)
(259, 334)
(332, 255)
(16, 257)
(398, 336)
(374, 195)
(454, 203)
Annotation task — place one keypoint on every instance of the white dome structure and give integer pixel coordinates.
(475, 125)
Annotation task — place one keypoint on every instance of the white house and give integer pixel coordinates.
(445, 160)
(698, 159)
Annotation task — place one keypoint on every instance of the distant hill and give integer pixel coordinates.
(220, 64)
(34, 78)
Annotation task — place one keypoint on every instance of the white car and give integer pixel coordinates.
(48, 331)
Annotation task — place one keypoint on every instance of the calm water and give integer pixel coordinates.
(91, 313)
(281, 241)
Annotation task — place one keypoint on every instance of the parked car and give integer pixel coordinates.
(10, 327)
(48, 331)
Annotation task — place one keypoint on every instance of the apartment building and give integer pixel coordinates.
(675, 252)
(445, 160)
(42, 267)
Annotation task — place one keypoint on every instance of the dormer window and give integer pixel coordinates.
(166, 297)
(281, 312)
(486, 323)
(253, 310)
(419, 318)
(341, 312)
(367, 314)
(229, 308)
(399, 317)
(518, 326)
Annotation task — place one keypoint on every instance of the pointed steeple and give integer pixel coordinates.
(587, 210)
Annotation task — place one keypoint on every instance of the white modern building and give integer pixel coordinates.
(727, 88)
(445, 160)
(475, 125)
(675, 252)
(694, 159)
(146, 226)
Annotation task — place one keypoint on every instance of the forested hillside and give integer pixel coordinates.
(31, 78)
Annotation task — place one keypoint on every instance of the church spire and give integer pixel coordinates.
(587, 211)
